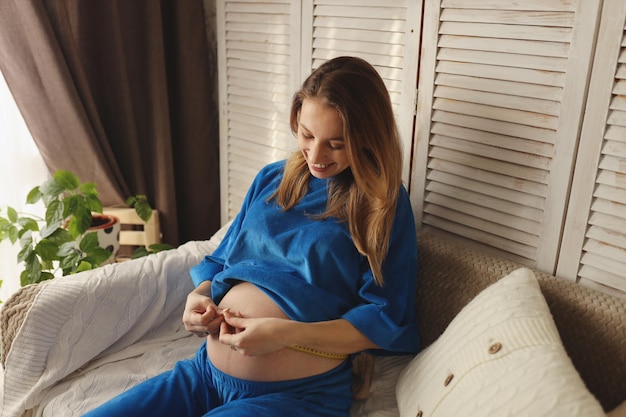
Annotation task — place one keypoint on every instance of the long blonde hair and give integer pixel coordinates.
(364, 195)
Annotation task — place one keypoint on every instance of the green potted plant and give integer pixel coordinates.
(62, 240)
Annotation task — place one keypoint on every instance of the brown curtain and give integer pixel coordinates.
(123, 93)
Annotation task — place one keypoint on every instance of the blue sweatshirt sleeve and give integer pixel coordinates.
(214, 263)
(386, 314)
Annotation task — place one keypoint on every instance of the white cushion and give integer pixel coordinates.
(500, 356)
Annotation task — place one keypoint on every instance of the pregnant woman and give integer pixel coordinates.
(319, 265)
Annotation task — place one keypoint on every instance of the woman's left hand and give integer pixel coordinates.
(251, 336)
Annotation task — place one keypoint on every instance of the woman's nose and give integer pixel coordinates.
(314, 151)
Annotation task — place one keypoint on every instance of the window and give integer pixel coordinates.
(21, 168)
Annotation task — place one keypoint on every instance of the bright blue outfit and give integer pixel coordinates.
(313, 271)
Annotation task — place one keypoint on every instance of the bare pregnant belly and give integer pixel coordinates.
(247, 300)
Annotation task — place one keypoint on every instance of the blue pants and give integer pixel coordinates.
(196, 388)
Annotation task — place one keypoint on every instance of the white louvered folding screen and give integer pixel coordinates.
(502, 88)
(594, 242)
(386, 34)
(258, 63)
(266, 49)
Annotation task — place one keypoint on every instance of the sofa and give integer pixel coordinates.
(498, 339)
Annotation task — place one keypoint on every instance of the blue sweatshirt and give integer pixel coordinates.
(312, 269)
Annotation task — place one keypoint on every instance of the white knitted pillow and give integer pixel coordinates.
(500, 356)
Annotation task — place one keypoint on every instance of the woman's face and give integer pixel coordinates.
(320, 139)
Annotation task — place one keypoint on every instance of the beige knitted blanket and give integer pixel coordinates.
(93, 334)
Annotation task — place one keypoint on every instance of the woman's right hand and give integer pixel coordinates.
(202, 316)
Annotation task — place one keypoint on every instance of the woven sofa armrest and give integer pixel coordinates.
(592, 324)
(12, 316)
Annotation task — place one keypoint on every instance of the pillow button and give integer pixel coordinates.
(419, 413)
(448, 380)
(495, 348)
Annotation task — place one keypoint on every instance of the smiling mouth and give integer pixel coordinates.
(320, 166)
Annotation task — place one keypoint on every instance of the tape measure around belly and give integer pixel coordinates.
(311, 351)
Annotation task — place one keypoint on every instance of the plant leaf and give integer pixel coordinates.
(44, 276)
(79, 222)
(12, 214)
(47, 250)
(33, 269)
(24, 278)
(70, 262)
(54, 212)
(26, 237)
(25, 254)
(8, 230)
(50, 229)
(46, 265)
(158, 247)
(71, 203)
(14, 234)
(33, 196)
(66, 179)
(51, 190)
(98, 255)
(140, 252)
(93, 203)
(84, 266)
(88, 242)
(140, 203)
(66, 249)
(28, 224)
(144, 211)
(60, 236)
(89, 188)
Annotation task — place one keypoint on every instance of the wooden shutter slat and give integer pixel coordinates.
(461, 227)
(520, 172)
(380, 25)
(514, 88)
(491, 152)
(500, 114)
(525, 75)
(526, 5)
(493, 139)
(496, 126)
(501, 59)
(609, 192)
(374, 3)
(486, 207)
(494, 216)
(505, 101)
(490, 30)
(509, 17)
(391, 13)
(535, 189)
(515, 46)
(535, 203)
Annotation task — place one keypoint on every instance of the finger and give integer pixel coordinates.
(226, 335)
(214, 325)
(234, 320)
(196, 324)
(207, 316)
(204, 318)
